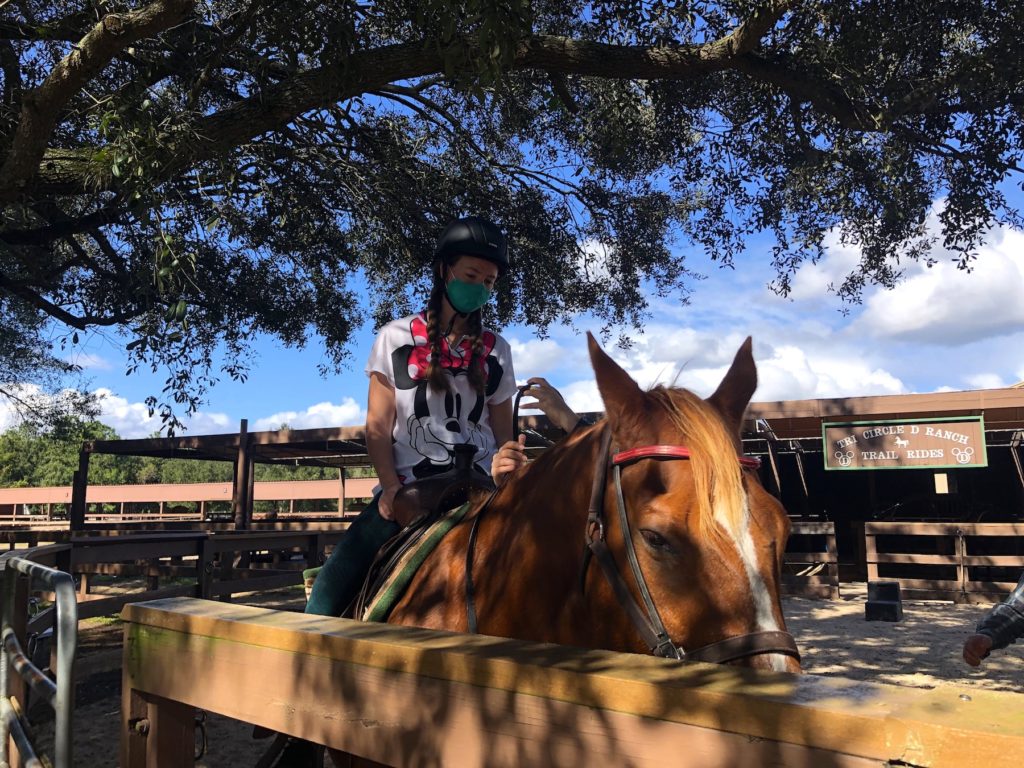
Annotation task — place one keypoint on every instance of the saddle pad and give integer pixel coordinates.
(394, 586)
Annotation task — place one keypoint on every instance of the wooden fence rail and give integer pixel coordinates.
(963, 562)
(811, 565)
(406, 696)
(182, 500)
(214, 565)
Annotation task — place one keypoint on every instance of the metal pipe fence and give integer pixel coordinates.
(18, 575)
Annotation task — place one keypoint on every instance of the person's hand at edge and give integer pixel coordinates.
(550, 402)
(976, 648)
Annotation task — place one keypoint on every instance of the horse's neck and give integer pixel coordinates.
(552, 493)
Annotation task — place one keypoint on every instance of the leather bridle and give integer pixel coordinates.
(646, 619)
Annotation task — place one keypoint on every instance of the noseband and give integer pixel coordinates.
(646, 619)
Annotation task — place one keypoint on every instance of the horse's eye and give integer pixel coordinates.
(654, 539)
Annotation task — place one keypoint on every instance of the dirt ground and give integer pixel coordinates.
(922, 650)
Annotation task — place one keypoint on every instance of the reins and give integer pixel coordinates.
(471, 617)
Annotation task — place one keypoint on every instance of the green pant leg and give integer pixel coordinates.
(342, 575)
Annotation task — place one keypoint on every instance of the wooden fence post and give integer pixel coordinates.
(870, 552)
(240, 500)
(204, 570)
(80, 483)
(961, 566)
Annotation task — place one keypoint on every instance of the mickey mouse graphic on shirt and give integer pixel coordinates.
(435, 435)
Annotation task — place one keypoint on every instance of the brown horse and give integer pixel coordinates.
(696, 574)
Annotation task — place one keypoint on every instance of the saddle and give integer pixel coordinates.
(435, 504)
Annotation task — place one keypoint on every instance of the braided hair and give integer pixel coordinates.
(435, 333)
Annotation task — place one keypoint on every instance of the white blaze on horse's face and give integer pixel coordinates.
(764, 603)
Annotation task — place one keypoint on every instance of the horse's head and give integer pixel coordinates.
(708, 539)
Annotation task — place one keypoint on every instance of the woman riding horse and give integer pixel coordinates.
(439, 381)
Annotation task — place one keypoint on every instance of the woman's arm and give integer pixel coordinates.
(380, 423)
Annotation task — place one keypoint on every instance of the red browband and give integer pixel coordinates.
(671, 452)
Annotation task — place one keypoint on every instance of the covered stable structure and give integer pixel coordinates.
(948, 457)
(951, 456)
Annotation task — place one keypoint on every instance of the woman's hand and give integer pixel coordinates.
(549, 400)
(976, 648)
(510, 457)
(385, 504)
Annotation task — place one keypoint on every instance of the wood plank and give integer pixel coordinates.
(935, 585)
(256, 583)
(329, 674)
(1014, 561)
(887, 558)
(811, 529)
(943, 529)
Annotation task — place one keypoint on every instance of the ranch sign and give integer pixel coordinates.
(906, 444)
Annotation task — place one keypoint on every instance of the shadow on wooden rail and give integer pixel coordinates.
(403, 696)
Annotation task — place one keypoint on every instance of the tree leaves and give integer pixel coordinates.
(844, 119)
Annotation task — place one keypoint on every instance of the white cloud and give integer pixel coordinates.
(582, 396)
(812, 282)
(987, 381)
(90, 362)
(798, 367)
(128, 419)
(793, 373)
(536, 357)
(325, 414)
(593, 259)
(132, 419)
(946, 306)
(9, 416)
(30, 396)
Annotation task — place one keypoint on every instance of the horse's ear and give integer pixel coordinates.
(624, 401)
(734, 393)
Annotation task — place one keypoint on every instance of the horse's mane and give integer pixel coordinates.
(717, 478)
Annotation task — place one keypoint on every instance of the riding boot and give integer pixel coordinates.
(341, 577)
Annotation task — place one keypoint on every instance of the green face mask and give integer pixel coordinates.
(466, 297)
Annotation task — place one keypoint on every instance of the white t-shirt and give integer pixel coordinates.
(429, 423)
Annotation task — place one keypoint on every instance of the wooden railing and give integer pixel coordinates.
(811, 565)
(407, 696)
(213, 565)
(191, 501)
(963, 562)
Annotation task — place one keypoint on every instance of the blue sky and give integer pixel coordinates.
(940, 329)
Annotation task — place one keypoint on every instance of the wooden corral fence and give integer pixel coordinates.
(406, 696)
(963, 562)
(811, 568)
(811, 565)
(179, 501)
(195, 564)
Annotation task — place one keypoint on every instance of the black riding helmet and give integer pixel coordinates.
(473, 236)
